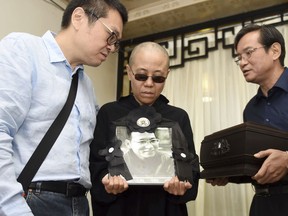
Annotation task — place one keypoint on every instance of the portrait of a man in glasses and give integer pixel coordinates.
(148, 158)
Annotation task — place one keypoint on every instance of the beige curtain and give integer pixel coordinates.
(214, 93)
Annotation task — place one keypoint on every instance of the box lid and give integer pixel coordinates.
(248, 126)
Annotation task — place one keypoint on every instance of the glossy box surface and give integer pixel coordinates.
(229, 152)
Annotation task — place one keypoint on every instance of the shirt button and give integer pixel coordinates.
(267, 120)
(268, 103)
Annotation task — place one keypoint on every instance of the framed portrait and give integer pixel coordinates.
(148, 149)
(148, 155)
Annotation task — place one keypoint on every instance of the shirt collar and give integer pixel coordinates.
(55, 53)
(282, 83)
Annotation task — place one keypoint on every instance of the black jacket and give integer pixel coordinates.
(137, 200)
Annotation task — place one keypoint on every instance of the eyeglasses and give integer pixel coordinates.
(112, 39)
(152, 141)
(246, 55)
(144, 77)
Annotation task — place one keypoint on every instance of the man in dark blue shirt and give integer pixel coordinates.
(261, 53)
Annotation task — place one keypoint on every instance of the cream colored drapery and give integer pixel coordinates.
(214, 93)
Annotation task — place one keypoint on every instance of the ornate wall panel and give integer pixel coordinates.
(196, 41)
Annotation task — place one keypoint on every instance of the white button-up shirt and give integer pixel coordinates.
(35, 79)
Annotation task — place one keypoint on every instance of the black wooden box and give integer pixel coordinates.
(229, 152)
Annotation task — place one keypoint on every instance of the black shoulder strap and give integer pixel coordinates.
(49, 138)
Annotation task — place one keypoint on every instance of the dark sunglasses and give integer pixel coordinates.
(144, 77)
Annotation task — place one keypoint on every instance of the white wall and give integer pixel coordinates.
(33, 16)
(38, 16)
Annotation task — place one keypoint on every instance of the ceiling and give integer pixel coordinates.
(148, 17)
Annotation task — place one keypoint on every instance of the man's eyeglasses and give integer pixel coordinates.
(144, 77)
(112, 39)
(152, 141)
(246, 55)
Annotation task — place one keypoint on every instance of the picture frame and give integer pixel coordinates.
(148, 155)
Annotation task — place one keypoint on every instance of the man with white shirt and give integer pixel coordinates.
(36, 74)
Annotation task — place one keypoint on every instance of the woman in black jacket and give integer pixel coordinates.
(111, 192)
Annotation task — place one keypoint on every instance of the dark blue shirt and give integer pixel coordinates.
(271, 110)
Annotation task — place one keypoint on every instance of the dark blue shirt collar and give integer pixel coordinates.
(282, 83)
